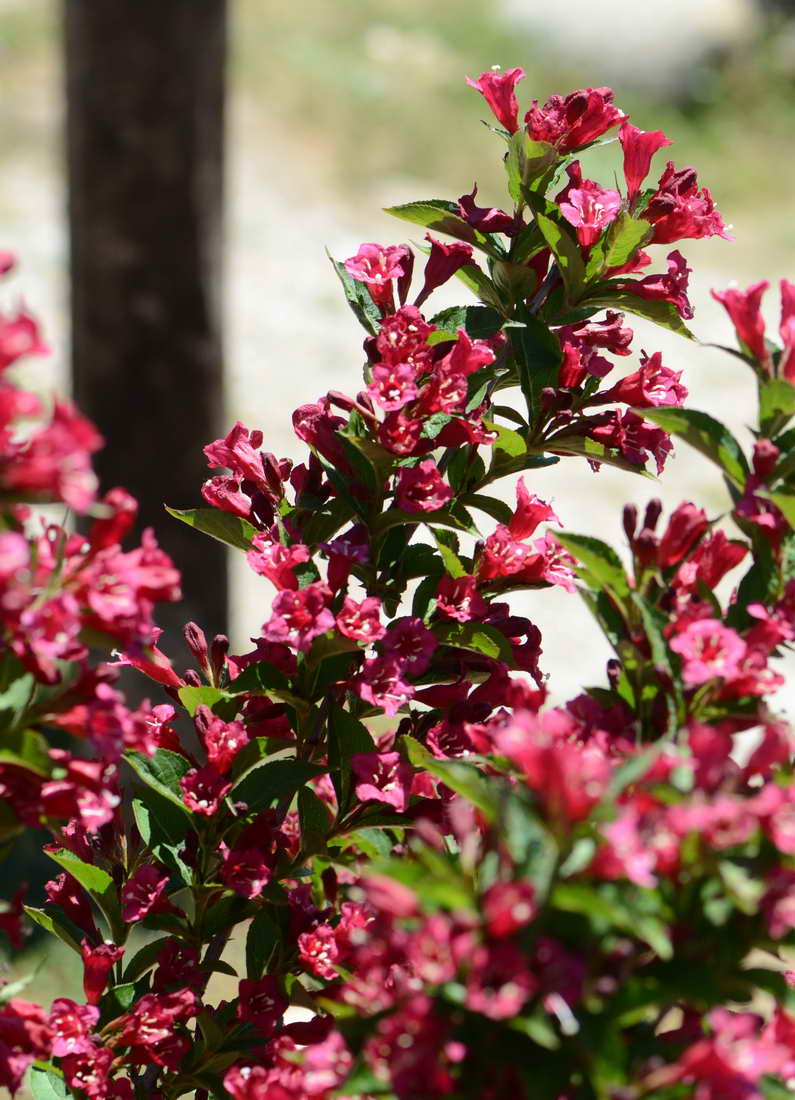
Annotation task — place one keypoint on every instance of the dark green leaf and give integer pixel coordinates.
(272, 780)
(229, 529)
(57, 924)
(705, 434)
(458, 519)
(259, 679)
(163, 829)
(162, 772)
(538, 358)
(611, 296)
(263, 938)
(481, 286)
(97, 883)
(492, 506)
(25, 749)
(527, 163)
(479, 322)
(346, 737)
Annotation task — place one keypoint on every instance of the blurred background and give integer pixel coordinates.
(336, 110)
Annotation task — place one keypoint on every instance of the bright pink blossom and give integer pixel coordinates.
(411, 644)
(300, 617)
(319, 952)
(422, 488)
(277, 562)
(377, 266)
(361, 621)
(590, 208)
(203, 789)
(71, 1025)
(142, 892)
(786, 367)
(393, 385)
(743, 307)
(709, 650)
(382, 777)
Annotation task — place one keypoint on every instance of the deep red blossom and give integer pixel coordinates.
(361, 621)
(11, 917)
(639, 147)
(422, 488)
(635, 438)
(499, 981)
(458, 598)
(66, 892)
(671, 287)
(499, 90)
(71, 1026)
(247, 871)
(678, 209)
(377, 267)
(442, 263)
(319, 952)
(653, 384)
(574, 121)
(786, 367)
(98, 961)
(507, 907)
(411, 644)
(486, 218)
(262, 1003)
(222, 740)
(393, 385)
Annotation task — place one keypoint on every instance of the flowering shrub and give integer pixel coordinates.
(466, 892)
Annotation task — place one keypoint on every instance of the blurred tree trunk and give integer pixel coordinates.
(145, 91)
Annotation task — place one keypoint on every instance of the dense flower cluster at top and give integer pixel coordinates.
(466, 891)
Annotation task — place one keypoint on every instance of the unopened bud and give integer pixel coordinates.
(630, 521)
(653, 512)
(196, 642)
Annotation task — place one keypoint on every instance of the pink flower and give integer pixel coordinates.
(262, 1003)
(411, 644)
(97, 965)
(203, 790)
(671, 287)
(639, 147)
(743, 307)
(590, 208)
(634, 437)
(300, 617)
(376, 266)
(786, 367)
(54, 463)
(458, 598)
(485, 218)
(393, 385)
(142, 892)
(362, 621)
(277, 562)
(71, 1025)
(382, 777)
(19, 336)
(422, 488)
(575, 121)
(686, 525)
(403, 338)
(499, 982)
(442, 264)
(709, 650)
(530, 511)
(318, 951)
(499, 91)
(222, 740)
(678, 209)
(507, 907)
(654, 384)
(66, 892)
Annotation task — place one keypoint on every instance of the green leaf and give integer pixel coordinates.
(464, 779)
(477, 637)
(457, 518)
(785, 502)
(25, 749)
(96, 882)
(479, 322)
(193, 697)
(452, 563)
(15, 700)
(608, 909)
(705, 434)
(556, 231)
(163, 829)
(272, 780)
(229, 529)
(492, 506)
(364, 308)
(47, 1084)
(481, 286)
(315, 820)
(162, 772)
(346, 737)
(260, 678)
(527, 162)
(144, 959)
(264, 937)
(443, 217)
(603, 568)
(622, 240)
(57, 924)
(776, 398)
(537, 352)
(663, 314)
(589, 448)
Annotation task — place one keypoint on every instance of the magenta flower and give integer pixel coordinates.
(458, 598)
(361, 621)
(499, 91)
(19, 336)
(530, 511)
(574, 121)
(422, 488)
(709, 650)
(71, 1025)
(377, 266)
(634, 437)
(786, 367)
(507, 907)
(393, 385)
(380, 683)
(142, 891)
(639, 147)
(275, 561)
(678, 209)
(382, 777)
(262, 1003)
(590, 208)
(671, 287)
(203, 789)
(300, 617)
(245, 871)
(411, 644)
(486, 218)
(222, 740)
(499, 981)
(743, 308)
(319, 952)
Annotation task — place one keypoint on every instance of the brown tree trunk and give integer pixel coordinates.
(145, 91)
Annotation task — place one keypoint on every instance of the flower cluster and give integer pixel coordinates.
(446, 885)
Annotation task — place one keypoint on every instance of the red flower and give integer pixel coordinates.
(142, 892)
(743, 307)
(245, 870)
(203, 790)
(575, 121)
(442, 264)
(654, 384)
(590, 208)
(97, 965)
(377, 266)
(422, 488)
(499, 91)
(262, 1003)
(382, 777)
(671, 287)
(362, 621)
(71, 1026)
(639, 147)
(786, 367)
(300, 617)
(678, 209)
(319, 952)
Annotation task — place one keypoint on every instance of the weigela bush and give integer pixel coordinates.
(445, 886)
